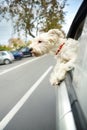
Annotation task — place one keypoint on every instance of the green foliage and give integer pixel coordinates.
(53, 14)
(16, 43)
(28, 43)
(33, 15)
(4, 48)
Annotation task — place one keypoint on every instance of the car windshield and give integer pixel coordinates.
(23, 49)
(14, 52)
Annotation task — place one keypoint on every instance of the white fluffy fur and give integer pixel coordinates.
(48, 43)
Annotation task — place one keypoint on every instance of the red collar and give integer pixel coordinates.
(59, 49)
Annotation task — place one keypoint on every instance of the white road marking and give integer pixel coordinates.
(15, 67)
(16, 108)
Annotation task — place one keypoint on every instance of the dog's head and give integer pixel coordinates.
(44, 43)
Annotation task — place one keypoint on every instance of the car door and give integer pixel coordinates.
(71, 109)
(77, 79)
(1, 59)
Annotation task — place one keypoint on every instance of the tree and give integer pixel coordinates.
(16, 43)
(33, 15)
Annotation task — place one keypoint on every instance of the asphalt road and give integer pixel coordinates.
(27, 100)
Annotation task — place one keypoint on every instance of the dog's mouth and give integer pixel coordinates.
(36, 53)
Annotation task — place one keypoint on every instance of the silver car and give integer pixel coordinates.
(6, 57)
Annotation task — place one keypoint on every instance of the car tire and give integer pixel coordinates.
(7, 61)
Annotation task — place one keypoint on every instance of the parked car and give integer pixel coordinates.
(72, 94)
(26, 51)
(17, 54)
(6, 57)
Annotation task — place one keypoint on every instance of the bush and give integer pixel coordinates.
(4, 48)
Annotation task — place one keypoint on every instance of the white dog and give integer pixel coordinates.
(65, 50)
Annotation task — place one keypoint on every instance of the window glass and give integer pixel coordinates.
(80, 72)
(0, 52)
(82, 54)
(3, 53)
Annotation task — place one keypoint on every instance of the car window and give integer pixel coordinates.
(14, 52)
(3, 53)
(82, 54)
(80, 72)
(0, 54)
(9, 53)
(23, 49)
(79, 30)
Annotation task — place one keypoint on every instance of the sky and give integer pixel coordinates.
(6, 30)
(71, 11)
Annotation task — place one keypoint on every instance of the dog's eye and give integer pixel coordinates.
(39, 41)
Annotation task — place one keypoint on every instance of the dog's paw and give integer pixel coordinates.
(54, 81)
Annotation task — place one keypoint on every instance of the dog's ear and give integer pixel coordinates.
(57, 32)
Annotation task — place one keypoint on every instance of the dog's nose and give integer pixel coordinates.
(31, 49)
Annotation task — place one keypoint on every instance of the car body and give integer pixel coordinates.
(72, 94)
(6, 57)
(26, 51)
(17, 54)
